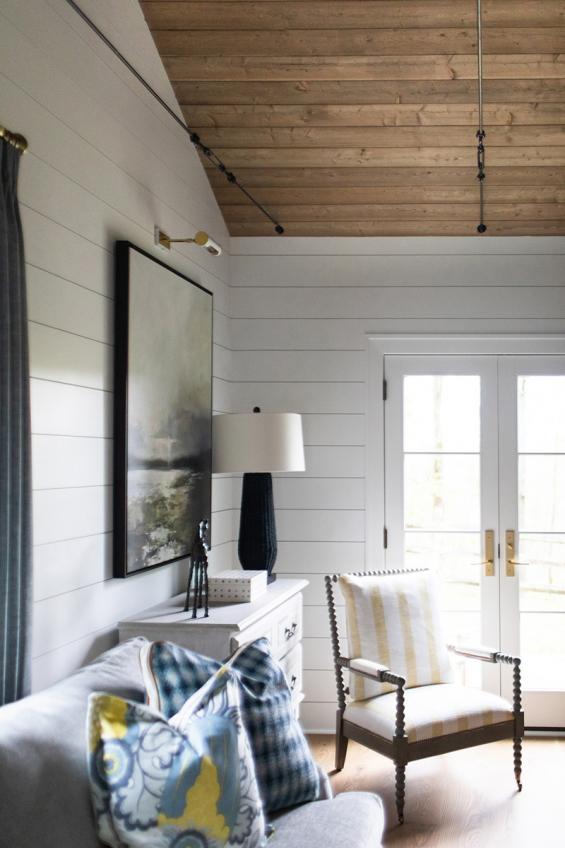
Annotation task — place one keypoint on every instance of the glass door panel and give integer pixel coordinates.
(533, 503)
(437, 506)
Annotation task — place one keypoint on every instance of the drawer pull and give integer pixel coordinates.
(290, 631)
(293, 680)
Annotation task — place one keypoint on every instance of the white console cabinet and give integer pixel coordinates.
(277, 614)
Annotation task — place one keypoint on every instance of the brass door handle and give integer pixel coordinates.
(488, 562)
(511, 553)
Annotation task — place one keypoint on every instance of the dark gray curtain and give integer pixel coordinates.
(15, 448)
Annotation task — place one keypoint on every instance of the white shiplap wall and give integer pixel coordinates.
(105, 162)
(301, 310)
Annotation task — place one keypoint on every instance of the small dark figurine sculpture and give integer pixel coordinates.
(198, 571)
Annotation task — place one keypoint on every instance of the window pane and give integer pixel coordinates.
(442, 413)
(542, 580)
(541, 414)
(454, 558)
(464, 629)
(442, 492)
(541, 493)
(542, 640)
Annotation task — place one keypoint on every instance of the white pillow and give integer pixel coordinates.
(394, 620)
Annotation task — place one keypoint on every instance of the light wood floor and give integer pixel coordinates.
(466, 799)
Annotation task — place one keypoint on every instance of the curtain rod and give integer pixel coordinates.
(194, 137)
(17, 140)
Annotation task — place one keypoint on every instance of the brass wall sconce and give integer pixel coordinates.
(200, 238)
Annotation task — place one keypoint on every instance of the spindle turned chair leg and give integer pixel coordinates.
(400, 786)
(518, 761)
(341, 742)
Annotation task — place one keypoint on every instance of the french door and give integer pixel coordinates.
(474, 471)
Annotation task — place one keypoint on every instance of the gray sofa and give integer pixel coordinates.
(44, 792)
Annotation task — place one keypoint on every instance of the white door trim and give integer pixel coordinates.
(380, 345)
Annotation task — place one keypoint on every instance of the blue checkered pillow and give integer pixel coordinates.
(286, 773)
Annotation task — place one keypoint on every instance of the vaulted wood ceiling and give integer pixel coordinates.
(359, 118)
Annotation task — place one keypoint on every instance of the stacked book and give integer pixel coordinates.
(237, 586)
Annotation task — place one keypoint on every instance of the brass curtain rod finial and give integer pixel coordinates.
(15, 139)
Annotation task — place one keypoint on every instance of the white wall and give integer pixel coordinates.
(301, 310)
(104, 163)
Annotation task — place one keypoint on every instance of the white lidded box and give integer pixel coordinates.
(237, 586)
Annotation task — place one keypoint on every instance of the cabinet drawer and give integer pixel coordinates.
(292, 665)
(263, 629)
(288, 627)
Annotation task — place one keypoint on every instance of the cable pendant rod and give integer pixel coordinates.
(194, 137)
(481, 134)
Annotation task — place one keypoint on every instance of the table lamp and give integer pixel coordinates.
(257, 443)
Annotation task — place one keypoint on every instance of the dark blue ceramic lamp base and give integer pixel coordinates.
(257, 547)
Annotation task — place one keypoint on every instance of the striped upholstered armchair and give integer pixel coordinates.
(402, 701)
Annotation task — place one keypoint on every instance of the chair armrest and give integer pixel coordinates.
(476, 653)
(372, 670)
(483, 653)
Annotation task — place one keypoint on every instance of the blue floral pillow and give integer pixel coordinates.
(286, 772)
(188, 783)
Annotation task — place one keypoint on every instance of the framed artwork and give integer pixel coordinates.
(162, 412)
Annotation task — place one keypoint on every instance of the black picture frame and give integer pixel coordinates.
(200, 476)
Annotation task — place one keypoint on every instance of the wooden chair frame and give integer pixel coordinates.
(399, 749)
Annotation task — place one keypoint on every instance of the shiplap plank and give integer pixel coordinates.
(69, 461)
(65, 618)
(348, 137)
(316, 621)
(411, 246)
(59, 409)
(60, 567)
(62, 305)
(460, 176)
(359, 42)
(301, 397)
(319, 717)
(404, 302)
(310, 366)
(337, 15)
(319, 685)
(313, 525)
(276, 68)
(369, 115)
(368, 91)
(315, 594)
(230, 196)
(318, 494)
(60, 514)
(222, 493)
(320, 557)
(68, 358)
(333, 429)
(389, 157)
(428, 229)
(53, 247)
(55, 665)
(222, 530)
(426, 212)
(399, 270)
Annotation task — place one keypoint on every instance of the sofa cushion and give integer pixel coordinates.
(44, 789)
(350, 819)
(286, 772)
(187, 782)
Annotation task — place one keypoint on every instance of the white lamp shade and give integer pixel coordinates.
(258, 442)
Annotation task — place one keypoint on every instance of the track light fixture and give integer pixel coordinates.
(200, 238)
(481, 134)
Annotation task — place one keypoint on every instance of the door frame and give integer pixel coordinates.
(385, 344)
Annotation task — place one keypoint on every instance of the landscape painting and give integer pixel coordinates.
(163, 413)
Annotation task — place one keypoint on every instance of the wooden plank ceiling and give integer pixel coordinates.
(359, 118)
